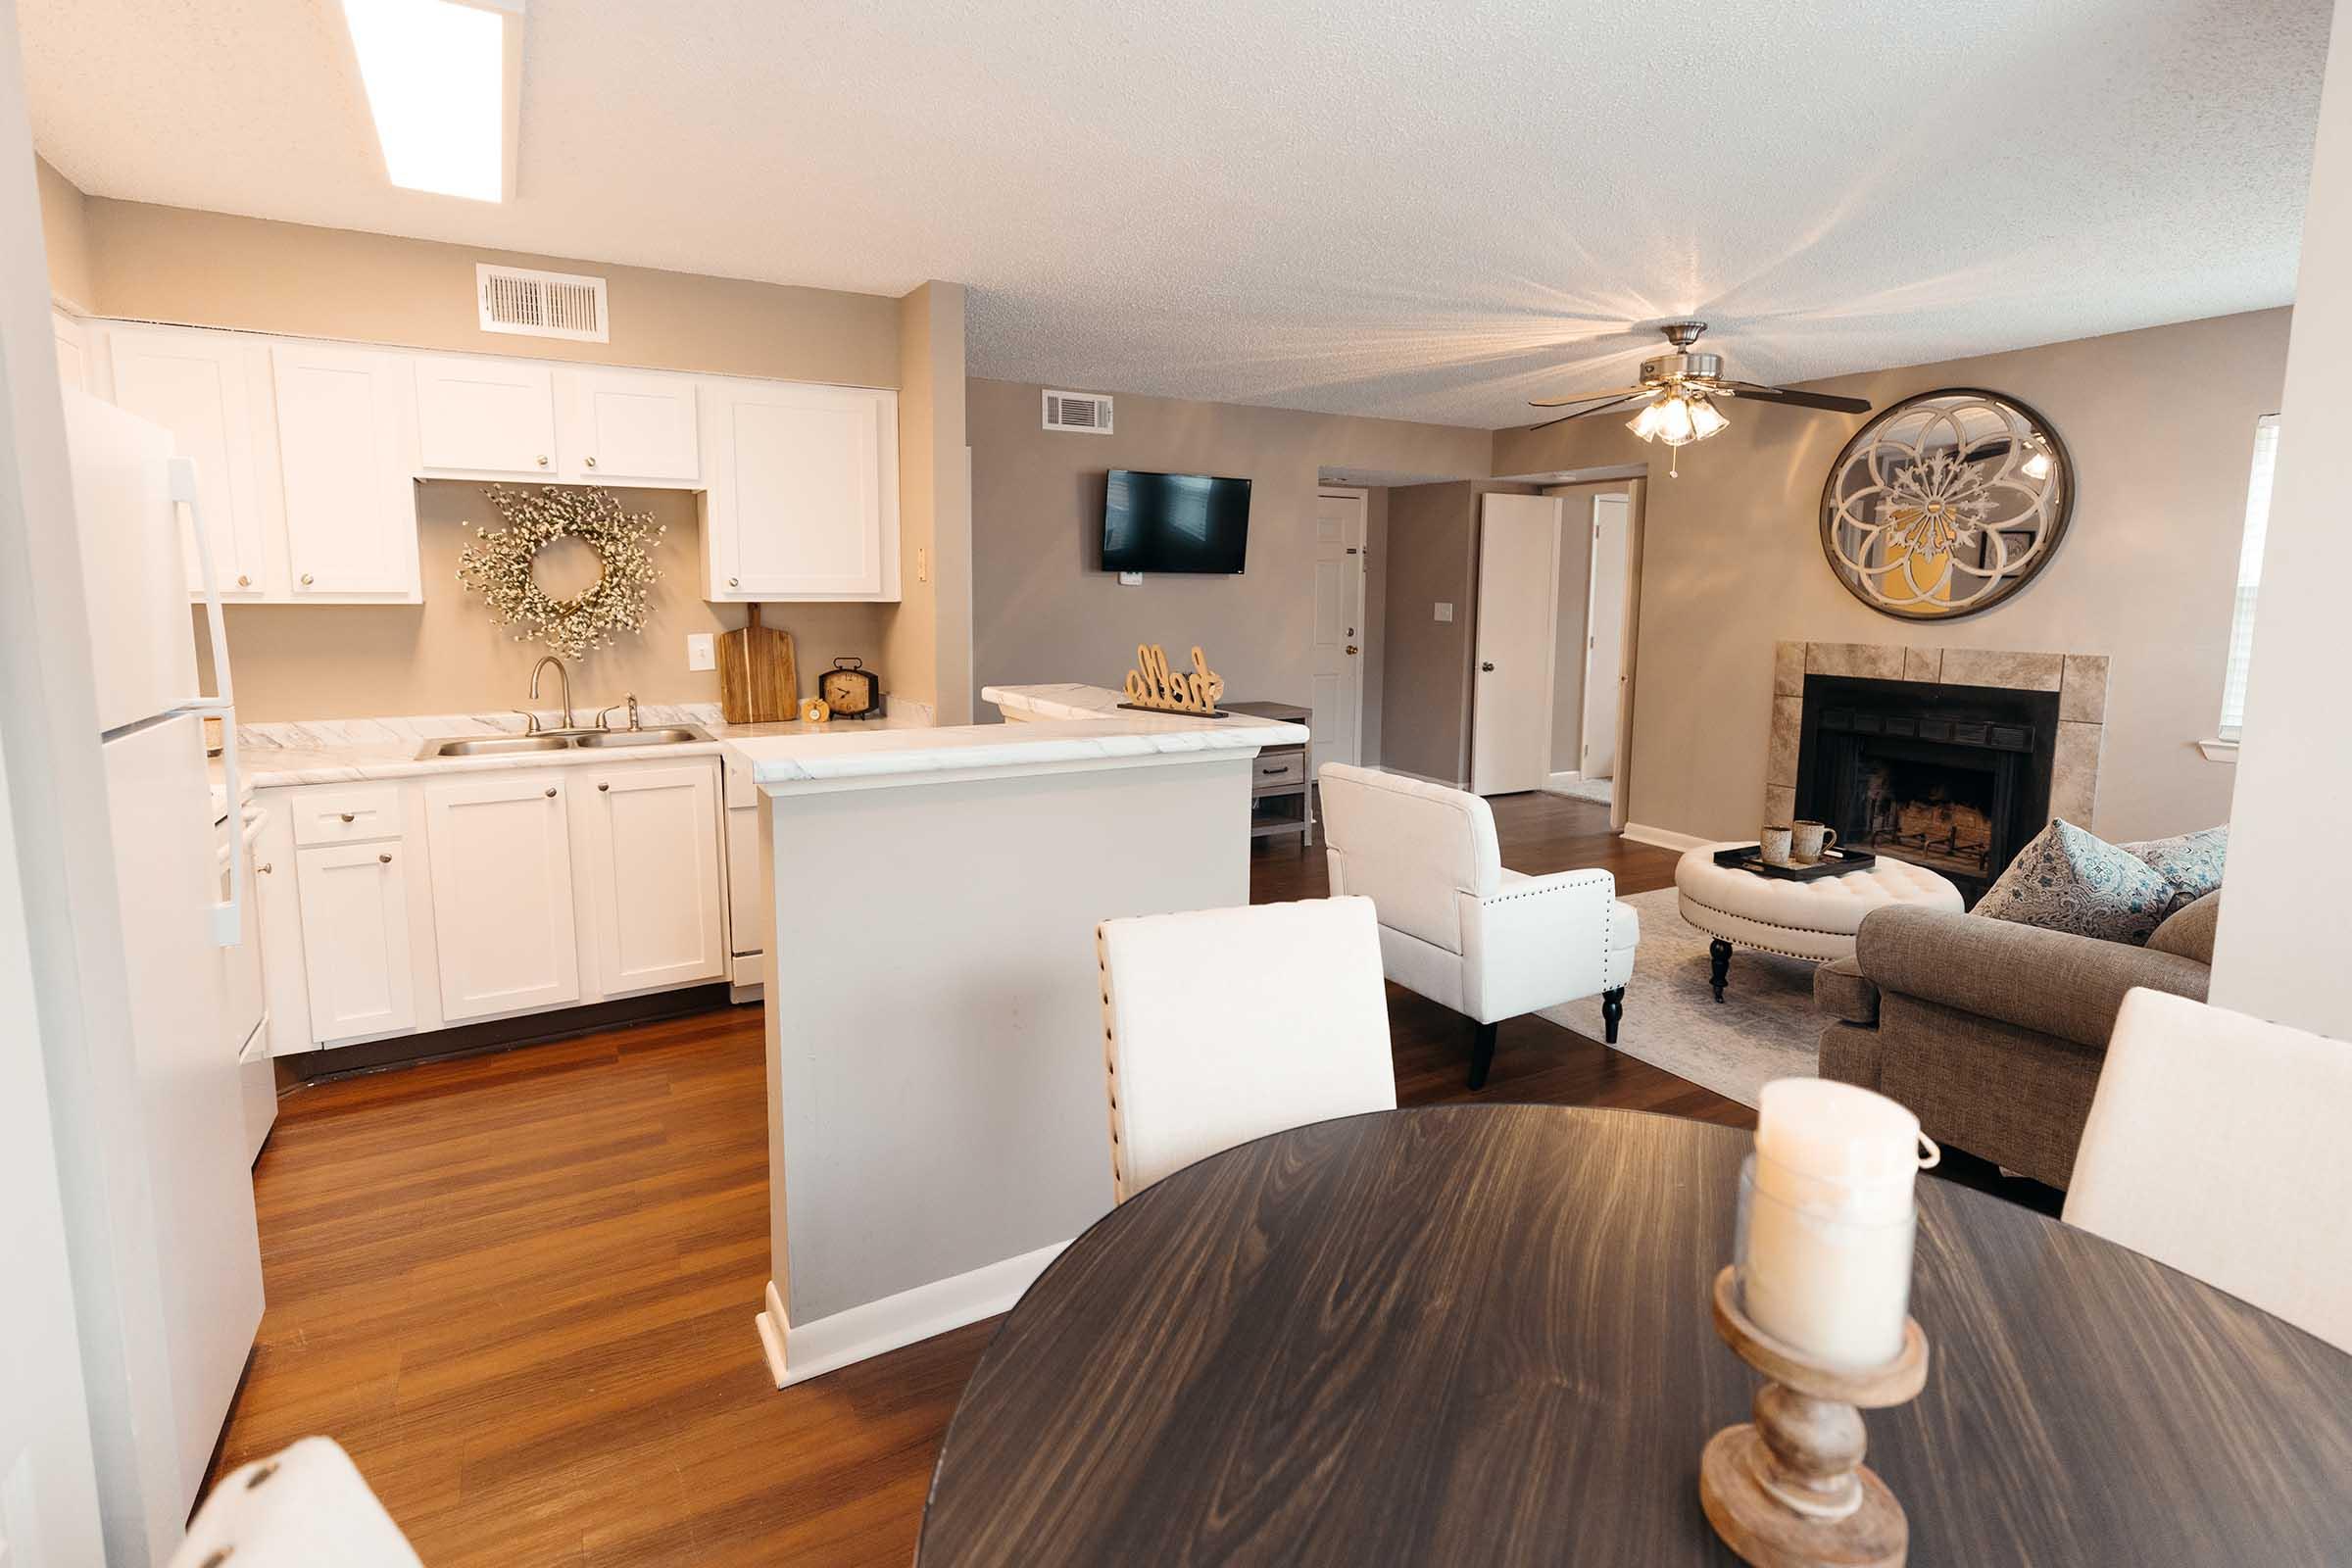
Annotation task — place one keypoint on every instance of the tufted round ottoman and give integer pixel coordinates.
(1815, 919)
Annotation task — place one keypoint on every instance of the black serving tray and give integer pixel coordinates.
(1834, 862)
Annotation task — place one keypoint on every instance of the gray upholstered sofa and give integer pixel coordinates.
(1990, 1031)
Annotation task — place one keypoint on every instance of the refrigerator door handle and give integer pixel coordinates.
(228, 916)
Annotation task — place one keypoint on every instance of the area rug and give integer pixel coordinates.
(1596, 790)
(1764, 1028)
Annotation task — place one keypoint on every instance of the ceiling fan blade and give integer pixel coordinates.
(1581, 412)
(1796, 399)
(1589, 397)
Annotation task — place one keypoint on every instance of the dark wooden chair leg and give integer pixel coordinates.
(1482, 1054)
(1720, 951)
(1612, 1009)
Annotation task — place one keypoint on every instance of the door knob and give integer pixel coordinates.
(1489, 668)
(1352, 648)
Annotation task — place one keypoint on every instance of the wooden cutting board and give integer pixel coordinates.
(757, 681)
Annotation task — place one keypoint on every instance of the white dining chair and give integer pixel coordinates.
(2216, 1144)
(303, 1506)
(1223, 1025)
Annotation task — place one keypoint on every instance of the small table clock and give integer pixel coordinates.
(850, 690)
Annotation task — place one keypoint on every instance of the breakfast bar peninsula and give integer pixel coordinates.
(937, 1128)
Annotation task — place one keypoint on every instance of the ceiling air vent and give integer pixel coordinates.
(521, 301)
(1078, 411)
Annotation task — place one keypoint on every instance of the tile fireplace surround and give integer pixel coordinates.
(2079, 680)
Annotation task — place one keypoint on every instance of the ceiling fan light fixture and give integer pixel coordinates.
(1678, 420)
(1705, 419)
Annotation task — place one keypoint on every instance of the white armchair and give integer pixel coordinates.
(1455, 925)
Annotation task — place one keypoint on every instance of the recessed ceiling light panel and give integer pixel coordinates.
(443, 80)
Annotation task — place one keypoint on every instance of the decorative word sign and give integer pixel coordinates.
(1152, 686)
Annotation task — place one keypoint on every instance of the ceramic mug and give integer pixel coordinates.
(1774, 844)
(1811, 838)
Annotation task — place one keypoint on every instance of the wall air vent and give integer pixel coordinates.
(517, 300)
(1078, 411)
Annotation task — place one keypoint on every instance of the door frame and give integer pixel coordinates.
(1360, 586)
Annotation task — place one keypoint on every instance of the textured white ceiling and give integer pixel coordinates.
(1413, 207)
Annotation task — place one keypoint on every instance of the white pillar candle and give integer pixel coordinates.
(1827, 1263)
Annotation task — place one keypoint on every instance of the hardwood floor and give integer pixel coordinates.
(520, 1287)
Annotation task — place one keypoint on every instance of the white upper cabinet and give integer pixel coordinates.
(72, 351)
(199, 386)
(345, 433)
(624, 427)
(501, 894)
(652, 863)
(803, 492)
(485, 416)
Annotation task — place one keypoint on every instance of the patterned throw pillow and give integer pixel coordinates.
(2070, 880)
(2191, 863)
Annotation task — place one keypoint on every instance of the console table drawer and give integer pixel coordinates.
(1282, 769)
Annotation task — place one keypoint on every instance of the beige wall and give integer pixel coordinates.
(2161, 427)
(173, 264)
(1433, 560)
(1042, 609)
(65, 231)
(449, 656)
(927, 653)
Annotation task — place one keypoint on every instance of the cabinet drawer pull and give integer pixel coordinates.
(604, 786)
(347, 816)
(551, 792)
(384, 860)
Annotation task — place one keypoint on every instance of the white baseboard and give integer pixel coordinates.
(797, 1353)
(1663, 837)
(1558, 779)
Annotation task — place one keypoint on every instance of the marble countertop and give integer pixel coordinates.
(368, 749)
(1085, 724)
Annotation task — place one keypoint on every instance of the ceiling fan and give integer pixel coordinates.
(1678, 391)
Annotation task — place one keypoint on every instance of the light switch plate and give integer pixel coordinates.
(702, 650)
(1444, 610)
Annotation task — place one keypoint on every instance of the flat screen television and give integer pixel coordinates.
(1174, 523)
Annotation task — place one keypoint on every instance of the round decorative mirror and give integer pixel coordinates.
(1946, 504)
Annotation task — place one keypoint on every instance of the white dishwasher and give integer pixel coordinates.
(244, 1014)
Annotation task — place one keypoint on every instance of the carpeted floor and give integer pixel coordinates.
(1765, 1027)
(1596, 790)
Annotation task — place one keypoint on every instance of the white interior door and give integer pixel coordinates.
(1338, 698)
(1604, 643)
(1510, 715)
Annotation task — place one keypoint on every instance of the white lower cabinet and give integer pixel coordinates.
(407, 906)
(355, 940)
(501, 894)
(653, 875)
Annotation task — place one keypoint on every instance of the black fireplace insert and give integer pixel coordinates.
(1953, 778)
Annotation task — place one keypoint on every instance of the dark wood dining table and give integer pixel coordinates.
(1482, 1335)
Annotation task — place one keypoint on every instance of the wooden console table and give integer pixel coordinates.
(1281, 796)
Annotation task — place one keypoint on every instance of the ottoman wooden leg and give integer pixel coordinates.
(1720, 952)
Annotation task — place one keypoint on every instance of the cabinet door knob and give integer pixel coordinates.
(602, 787)
(264, 870)
(385, 858)
(734, 582)
(306, 579)
(592, 463)
(244, 581)
(551, 792)
(543, 460)
(347, 816)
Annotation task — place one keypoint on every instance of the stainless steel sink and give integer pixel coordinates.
(668, 735)
(563, 741)
(493, 746)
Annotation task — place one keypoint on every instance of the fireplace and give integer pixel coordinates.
(1953, 778)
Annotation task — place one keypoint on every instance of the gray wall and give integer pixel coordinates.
(1042, 609)
(2160, 424)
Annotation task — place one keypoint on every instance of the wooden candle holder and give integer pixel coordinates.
(1789, 1489)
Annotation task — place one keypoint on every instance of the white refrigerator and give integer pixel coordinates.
(179, 913)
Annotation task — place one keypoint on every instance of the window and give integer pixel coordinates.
(2249, 576)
